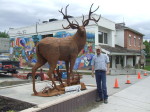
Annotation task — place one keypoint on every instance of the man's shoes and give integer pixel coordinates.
(105, 101)
(98, 99)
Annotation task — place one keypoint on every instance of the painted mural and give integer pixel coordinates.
(23, 50)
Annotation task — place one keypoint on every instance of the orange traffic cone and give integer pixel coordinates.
(128, 81)
(116, 85)
(145, 74)
(139, 75)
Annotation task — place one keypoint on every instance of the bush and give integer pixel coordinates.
(147, 60)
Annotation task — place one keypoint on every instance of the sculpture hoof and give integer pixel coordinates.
(35, 93)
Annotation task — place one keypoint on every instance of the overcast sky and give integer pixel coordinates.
(20, 13)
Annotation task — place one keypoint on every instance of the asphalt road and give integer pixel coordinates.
(8, 80)
(7, 77)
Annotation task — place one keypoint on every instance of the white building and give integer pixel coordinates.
(104, 33)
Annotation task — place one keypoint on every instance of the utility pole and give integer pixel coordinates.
(140, 53)
(35, 37)
(36, 28)
(141, 57)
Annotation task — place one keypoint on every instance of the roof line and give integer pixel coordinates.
(134, 31)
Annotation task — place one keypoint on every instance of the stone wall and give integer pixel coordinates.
(4, 45)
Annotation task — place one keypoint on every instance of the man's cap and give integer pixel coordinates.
(98, 47)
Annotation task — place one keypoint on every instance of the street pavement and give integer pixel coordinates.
(134, 97)
(88, 79)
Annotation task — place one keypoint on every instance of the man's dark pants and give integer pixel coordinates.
(101, 83)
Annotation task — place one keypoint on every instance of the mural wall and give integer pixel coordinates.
(23, 50)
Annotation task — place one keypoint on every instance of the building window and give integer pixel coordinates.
(130, 40)
(102, 37)
(139, 42)
(134, 40)
(105, 38)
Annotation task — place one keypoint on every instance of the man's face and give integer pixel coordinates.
(98, 51)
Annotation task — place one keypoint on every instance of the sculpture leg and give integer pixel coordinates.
(59, 77)
(52, 67)
(67, 70)
(72, 62)
(34, 69)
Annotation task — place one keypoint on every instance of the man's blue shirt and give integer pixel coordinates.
(100, 62)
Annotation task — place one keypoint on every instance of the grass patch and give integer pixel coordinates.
(85, 73)
(147, 68)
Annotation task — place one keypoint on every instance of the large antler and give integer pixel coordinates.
(71, 24)
(86, 22)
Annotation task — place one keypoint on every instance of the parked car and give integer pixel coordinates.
(4, 57)
(9, 66)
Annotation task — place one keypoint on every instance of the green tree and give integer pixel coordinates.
(4, 35)
(147, 47)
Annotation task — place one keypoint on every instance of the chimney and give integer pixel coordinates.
(120, 25)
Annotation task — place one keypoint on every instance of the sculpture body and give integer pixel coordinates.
(66, 49)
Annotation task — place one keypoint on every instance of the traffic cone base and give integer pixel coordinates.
(145, 74)
(116, 87)
(116, 83)
(128, 82)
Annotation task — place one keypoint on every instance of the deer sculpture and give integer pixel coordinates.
(66, 49)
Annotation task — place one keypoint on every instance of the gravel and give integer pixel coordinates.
(9, 104)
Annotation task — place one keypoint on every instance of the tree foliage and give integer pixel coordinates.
(4, 35)
(147, 47)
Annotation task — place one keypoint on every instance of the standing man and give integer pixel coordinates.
(100, 63)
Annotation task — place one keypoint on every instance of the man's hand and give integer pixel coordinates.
(93, 71)
(107, 72)
(92, 74)
(108, 66)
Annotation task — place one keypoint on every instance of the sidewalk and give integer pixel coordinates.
(135, 98)
(132, 97)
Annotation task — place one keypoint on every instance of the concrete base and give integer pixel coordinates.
(65, 103)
